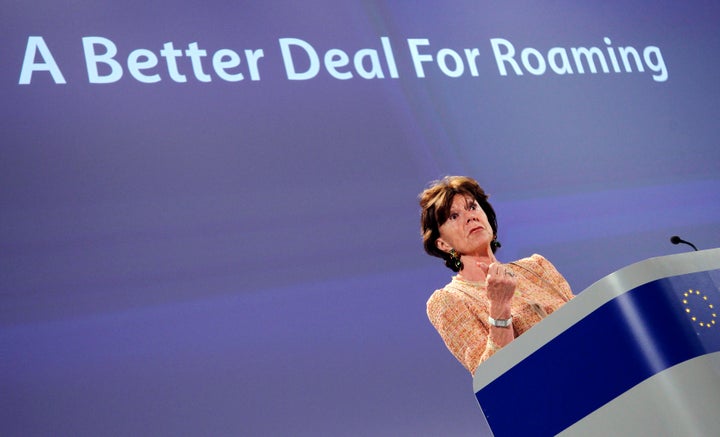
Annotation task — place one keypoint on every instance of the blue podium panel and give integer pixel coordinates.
(602, 344)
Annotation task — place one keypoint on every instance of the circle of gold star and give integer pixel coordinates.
(708, 317)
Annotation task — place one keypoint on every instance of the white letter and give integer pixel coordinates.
(375, 68)
(525, 57)
(220, 65)
(134, 65)
(389, 57)
(565, 68)
(195, 54)
(37, 43)
(337, 58)
(507, 57)
(613, 58)
(314, 67)
(252, 60)
(579, 52)
(459, 67)
(625, 52)
(92, 59)
(417, 58)
(471, 55)
(658, 66)
(170, 53)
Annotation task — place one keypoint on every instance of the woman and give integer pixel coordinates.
(487, 304)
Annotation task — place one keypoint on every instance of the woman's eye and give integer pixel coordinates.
(454, 216)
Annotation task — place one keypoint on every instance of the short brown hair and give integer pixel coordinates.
(435, 203)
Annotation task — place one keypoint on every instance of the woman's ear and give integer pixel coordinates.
(442, 245)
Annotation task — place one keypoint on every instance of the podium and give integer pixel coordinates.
(636, 353)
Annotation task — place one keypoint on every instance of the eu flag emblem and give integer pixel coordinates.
(700, 308)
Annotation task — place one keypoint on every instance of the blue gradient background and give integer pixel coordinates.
(244, 258)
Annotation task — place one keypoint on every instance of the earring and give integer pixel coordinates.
(495, 244)
(455, 260)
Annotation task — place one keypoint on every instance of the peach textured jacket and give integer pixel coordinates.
(459, 311)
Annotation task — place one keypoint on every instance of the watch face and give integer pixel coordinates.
(500, 323)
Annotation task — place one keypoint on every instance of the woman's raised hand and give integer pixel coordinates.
(500, 284)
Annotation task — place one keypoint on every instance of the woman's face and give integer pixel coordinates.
(467, 229)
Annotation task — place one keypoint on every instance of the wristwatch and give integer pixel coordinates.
(500, 323)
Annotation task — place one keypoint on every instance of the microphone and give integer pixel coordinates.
(677, 240)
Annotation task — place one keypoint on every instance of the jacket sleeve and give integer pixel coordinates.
(464, 334)
(554, 277)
